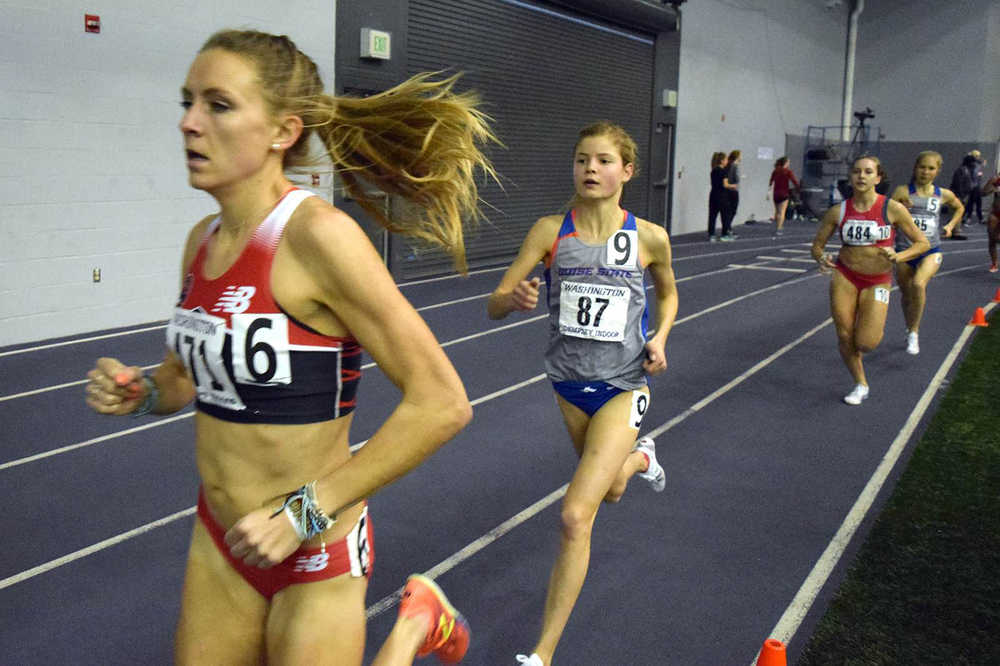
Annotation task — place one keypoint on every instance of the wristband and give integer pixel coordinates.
(152, 397)
(304, 513)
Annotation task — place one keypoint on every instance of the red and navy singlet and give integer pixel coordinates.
(871, 227)
(250, 360)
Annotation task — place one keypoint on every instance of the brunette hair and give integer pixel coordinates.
(717, 159)
(419, 140)
(622, 140)
(734, 155)
(780, 162)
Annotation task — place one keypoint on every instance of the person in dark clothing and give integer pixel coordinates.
(717, 198)
(977, 178)
(731, 183)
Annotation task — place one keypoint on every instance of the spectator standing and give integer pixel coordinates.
(731, 183)
(717, 195)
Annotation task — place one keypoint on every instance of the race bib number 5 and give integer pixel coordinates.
(593, 311)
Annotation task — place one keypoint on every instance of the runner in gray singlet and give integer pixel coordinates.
(924, 200)
(598, 353)
(597, 309)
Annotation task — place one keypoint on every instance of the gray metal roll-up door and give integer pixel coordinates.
(543, 73)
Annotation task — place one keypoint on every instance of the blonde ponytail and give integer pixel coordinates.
(419, 140)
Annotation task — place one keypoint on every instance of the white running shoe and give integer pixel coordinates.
(855, 397)
(912, 343)
(533, 660)
(654, 473)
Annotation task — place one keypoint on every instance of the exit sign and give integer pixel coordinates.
(376, 44)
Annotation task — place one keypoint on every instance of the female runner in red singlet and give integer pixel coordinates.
(280, 552)
(862, 278)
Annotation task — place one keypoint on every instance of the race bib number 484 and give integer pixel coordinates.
(864, 232)
(593, 311)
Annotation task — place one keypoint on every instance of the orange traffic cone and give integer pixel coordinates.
(996, 296)
(772, 653)
(979, 318)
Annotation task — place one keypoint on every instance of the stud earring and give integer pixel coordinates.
(275, 146)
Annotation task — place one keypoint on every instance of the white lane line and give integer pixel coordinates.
(74, 342)
(468, 551)
(793, 251)
(736, 381)
(57, 386)
(490, 536)
(682, 320)
(792, 618)
(96, 440)
(461, 555)
(457, 300)
(89, 550)
(449, 563)
(810, 260)
(453, 276)
(768, 268)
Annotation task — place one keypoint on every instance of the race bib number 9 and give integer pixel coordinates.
(623, 249)
(864, 232)
(640, 403)
(593, 311)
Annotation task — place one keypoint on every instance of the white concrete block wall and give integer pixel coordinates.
(91, 165)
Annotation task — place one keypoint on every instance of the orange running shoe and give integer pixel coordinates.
(448, 636)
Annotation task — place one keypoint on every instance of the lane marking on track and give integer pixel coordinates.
(95, 440)
(718, 306)
(802, 602)
(400, 285)
(74, 342)
(810, 260)
(473, 336)
(463, 554)
(58, 386)
(445, 565)
(480, 543)
(768, 268)
(89, 550)
(468, 551)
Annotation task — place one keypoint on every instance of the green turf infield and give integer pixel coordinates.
(925, 586)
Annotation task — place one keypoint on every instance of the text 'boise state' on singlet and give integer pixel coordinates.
(597, 308)
(926, 212)
(871, 227)
(250, 361)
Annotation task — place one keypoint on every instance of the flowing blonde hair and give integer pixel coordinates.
(419, 140)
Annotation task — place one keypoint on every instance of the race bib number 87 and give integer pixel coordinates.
(593, 311)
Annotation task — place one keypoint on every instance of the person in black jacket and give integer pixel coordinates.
(717, 197)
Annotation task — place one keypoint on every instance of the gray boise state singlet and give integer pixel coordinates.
(926, 212)
(597, 308)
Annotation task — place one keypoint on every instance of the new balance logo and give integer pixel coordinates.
(311, 563)
(235, 300)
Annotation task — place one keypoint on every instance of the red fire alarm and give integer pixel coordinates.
(92, 23)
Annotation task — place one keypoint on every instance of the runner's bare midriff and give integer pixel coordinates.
(245, 465)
